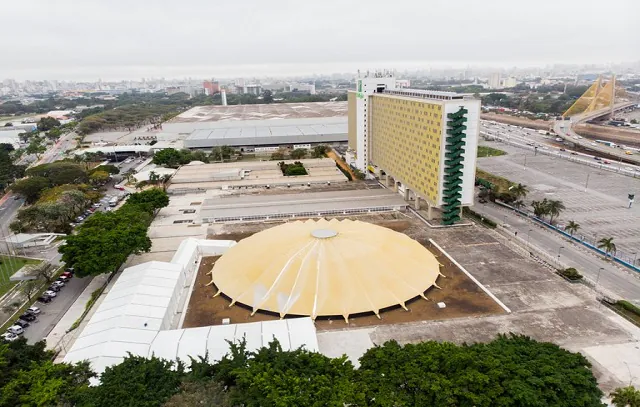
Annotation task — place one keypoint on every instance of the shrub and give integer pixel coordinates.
(571, 274)
(629, 306)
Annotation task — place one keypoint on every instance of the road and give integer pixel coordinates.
(530, 140)
(613, 278)
(53, 311)
(8, 210)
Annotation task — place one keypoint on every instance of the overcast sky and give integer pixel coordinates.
(118, 39)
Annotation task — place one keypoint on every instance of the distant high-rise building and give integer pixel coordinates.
(426, 141)
(211, 87)
(509, 82)
(494, 80)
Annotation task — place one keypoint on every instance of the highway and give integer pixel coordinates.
(529, 139)
(563, 128)
(622, 282)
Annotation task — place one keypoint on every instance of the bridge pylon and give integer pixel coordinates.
(599, 96)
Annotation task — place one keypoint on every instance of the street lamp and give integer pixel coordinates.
(635, 254)
(598, 278)
(528, 236)
(559, 248)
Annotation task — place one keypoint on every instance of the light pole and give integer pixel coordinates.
(598, 278)
(635, 254)
(525, 161)
(559, 248)
(529, 232)
(586, 184)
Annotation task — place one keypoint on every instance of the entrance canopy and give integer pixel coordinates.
(325, 268)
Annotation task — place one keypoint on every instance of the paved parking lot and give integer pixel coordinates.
(543, 306)
(602, 210)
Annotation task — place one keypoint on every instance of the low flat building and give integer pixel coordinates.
(248, 136)
(251, 174)
(246, 208)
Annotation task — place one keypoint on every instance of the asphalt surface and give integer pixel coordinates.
(618, 280)
(52, 312)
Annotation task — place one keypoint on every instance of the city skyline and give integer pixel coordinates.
(124, 41)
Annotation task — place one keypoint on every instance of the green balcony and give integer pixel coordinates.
(452, 190)
(453, 182)
(454, 161)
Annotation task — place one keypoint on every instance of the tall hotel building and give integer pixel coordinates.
(421, 142)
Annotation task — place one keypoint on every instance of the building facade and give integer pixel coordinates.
(423, 142)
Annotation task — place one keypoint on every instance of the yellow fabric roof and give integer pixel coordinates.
(325, 268)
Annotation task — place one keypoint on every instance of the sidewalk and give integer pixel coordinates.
(58, 338)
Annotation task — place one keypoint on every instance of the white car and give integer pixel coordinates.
(50, 293)
(33, 310)
(16, 329)
(9, 336)
(58, 283)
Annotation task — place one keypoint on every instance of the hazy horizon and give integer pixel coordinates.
(118, 40)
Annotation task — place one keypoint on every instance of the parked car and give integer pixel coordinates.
(44, 299)
(9, 336)
(63, 279)
(28, 317)
(597, 158)
(50, 293)
(97, 205)
(21, 323)
(71, 270)
(16, 329)
(67, 274)
(54, 288)
(58, 283)
(79, 219)
(33, 310)
(606, 162)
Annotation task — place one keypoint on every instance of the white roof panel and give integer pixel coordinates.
(277, 330)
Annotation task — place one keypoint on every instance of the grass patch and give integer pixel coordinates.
(92, 300)
(628, 310)
(484, 151)
(476, 216)
(5, 287)
(502, 184)
(10, 264)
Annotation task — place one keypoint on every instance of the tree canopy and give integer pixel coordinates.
(509, 371)
(30, 188)
(105, 240)
(47, 123)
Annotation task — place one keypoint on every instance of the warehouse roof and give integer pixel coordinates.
(261, 112)
(224, 208)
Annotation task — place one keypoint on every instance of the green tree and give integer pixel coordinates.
(110, 168)
(137, 381)
(8, 124)
(60, 172)
(606, 244)
(278, 155)
(267, 96)
(36, 147)
(169, 157)
(554, 207)
(105, 240)
(99, 177)
(572, 227)
(199, 156)
(625, 397)
(47, 123)
(319, 151)
(30, 287)
(30, 188)
(509, 371)
(301, 378)
(150, 200)
(540, 208)
(519, 190)
(53, 134)
(298, 153)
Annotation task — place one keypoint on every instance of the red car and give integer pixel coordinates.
(67, 275)
(119, 187)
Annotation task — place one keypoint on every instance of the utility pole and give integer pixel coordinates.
(586, 184)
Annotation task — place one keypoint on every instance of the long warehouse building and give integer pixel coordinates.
(261, 127)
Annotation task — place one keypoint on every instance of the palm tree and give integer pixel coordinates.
(625, 396)
(606, 244)
(554, 208)
(572, 227)
(519, 190)
(518, 204)
(540, 208)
